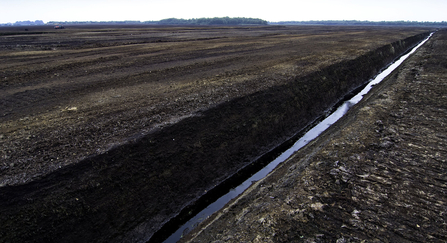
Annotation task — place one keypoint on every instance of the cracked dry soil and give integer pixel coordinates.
(378, 175)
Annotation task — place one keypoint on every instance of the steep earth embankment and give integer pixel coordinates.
(377, 175)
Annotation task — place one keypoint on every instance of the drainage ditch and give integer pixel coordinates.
(216, 198)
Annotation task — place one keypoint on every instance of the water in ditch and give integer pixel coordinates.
(309, 136)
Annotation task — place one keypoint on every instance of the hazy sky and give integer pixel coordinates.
(272, 10)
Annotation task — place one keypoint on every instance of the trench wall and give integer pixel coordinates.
(128, 193)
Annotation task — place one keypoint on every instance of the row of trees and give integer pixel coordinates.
(99, 22)
(213, 21)
(357, 22)
(175, 21)
(235, 21)
(27, 22)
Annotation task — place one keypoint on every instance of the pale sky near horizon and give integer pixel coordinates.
(273, 10)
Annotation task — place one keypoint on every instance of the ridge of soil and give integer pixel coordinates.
(107, 135)
(377, 175)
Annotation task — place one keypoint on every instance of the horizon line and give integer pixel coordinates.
(333, 20)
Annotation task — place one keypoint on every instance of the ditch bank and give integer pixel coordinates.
(376, 175)
(129, 192)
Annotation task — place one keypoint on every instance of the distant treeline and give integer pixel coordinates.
(27, 22)
(99, 22)
(175, 21)
(213, 21)
(357, 22)
(233, 21)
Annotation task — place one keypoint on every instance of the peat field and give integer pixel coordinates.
(377, 175)
(108, 132)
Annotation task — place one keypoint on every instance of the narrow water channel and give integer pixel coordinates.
(309, 136)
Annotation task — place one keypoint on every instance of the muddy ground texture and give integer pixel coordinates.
(377, 175)
(106, 133)
(67, 94)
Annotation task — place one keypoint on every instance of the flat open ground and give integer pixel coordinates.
(86, 113)
(67, 94)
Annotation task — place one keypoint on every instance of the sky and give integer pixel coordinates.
(272, 10)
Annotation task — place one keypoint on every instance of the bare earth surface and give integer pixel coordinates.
(67, 94)
(108, 132)
(378, 175)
